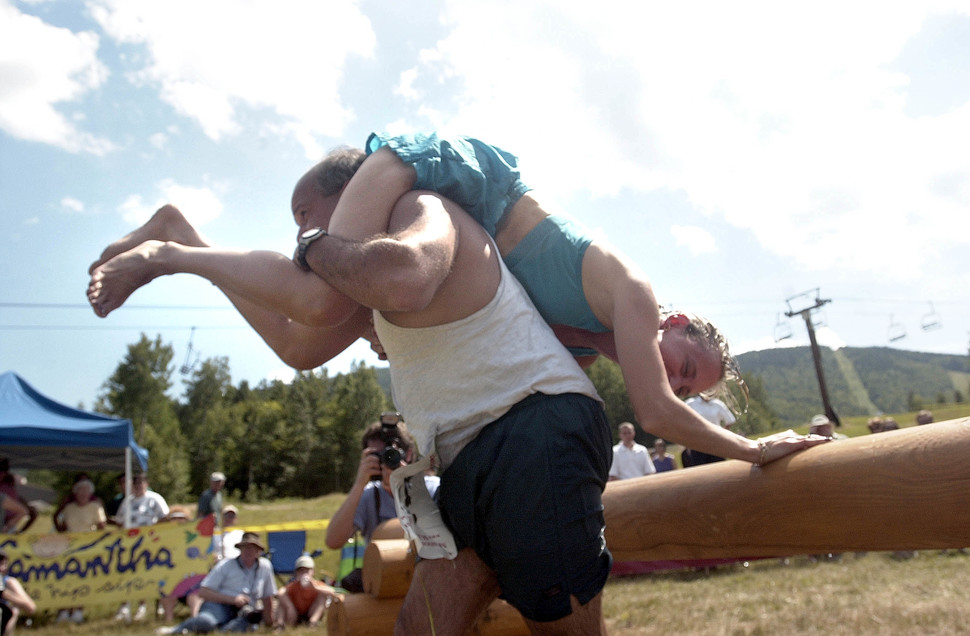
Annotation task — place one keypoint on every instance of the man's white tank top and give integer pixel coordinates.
(451, 380)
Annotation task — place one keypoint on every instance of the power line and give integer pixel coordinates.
(88, 307)
(108, 327)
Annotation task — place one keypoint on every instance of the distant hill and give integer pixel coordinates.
(860, 381)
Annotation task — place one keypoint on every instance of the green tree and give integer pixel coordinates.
(758, 418)
(204, 418)
(307, 447)
(137, 391)
(914, 402)
(251, 446)
(357, 400)
(608, 380)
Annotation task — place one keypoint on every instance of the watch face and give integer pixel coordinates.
(311, 233)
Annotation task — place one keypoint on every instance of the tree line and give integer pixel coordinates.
(298, 439)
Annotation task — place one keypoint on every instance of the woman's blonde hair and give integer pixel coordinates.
(703, 331)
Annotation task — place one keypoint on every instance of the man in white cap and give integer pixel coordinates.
(304, 599)
(237, 593)
(822, 426)
(210, 501)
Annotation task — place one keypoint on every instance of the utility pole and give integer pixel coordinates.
(806, 314)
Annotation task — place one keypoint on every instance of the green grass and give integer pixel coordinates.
(870, 594)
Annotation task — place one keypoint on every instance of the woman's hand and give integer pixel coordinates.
(785, 443)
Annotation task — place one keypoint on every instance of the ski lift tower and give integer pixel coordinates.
(800, 308)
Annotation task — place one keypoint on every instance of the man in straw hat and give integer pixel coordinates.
(237, 593)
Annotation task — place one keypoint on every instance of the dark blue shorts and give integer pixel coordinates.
(526, 494)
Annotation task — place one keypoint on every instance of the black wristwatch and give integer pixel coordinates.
(305, 239)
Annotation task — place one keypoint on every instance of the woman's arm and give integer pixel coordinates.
(627, 304)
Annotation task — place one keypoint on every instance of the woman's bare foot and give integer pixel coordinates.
(113, 282)
(167, 224)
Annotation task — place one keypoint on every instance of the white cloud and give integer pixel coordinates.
(218, 62)
(42, 70)
(807, 145)
(158, 140)
(826, 337)
(283, 374)
(696, 239)
(72, 205)
(406, 86)
(200, 205)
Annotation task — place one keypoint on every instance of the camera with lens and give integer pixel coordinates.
(250, 614)
(392, 455)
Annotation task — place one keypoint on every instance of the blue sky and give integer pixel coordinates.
(741, 153)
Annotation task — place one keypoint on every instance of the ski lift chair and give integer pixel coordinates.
(782, 330)
(896, 330)
(931, 320)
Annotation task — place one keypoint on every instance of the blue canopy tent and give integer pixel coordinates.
(37, 432)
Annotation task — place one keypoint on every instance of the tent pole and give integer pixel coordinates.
(128, 511)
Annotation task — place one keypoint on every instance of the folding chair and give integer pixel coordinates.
(284, 548)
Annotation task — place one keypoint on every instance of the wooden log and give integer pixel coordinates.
(388, 568)
(390, 529)
(500, 619)
(899, 490)
(364, 615)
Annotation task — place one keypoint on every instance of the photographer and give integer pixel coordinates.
(237, 593)
(386, 445)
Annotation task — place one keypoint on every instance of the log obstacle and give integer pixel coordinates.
(899, 490)
(364, 615)
(388, 568)
(390, 529)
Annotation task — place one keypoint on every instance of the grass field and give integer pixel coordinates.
(870, 594)
(859, 594)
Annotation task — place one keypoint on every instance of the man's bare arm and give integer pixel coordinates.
(397, 269)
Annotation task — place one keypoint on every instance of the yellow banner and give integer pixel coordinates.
(115, 565)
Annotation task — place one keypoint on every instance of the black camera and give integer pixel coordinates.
(392, 455)
(250, 614)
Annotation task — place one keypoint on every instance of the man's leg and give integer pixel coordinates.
(447, 596)
(585, 619)
(559, 556)
(208, 619)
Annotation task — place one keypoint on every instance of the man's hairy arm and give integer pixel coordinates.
(400, 267)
